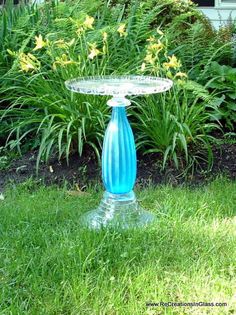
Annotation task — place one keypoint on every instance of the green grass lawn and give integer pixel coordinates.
(49, 265)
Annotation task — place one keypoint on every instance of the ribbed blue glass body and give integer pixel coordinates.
(119, 164)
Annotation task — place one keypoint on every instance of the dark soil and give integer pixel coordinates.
(86, 171)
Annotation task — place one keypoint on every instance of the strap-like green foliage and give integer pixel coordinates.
(36, 110)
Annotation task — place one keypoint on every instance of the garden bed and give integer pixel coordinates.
(86, 170)
(170, 40)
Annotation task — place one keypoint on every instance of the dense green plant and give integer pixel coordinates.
(49, 44)
(172, 123)
(6, 158)
(34, 85)
(41, 107)
(198, 44)
(170, 9)
(221, 79)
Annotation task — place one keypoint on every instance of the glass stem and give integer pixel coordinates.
(119, 164)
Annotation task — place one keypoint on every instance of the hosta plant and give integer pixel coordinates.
(221, 80)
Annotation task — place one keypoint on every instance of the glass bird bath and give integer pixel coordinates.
(119, 206)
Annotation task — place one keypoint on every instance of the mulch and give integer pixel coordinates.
(86, 171)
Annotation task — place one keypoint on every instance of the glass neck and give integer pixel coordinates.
(120, 101)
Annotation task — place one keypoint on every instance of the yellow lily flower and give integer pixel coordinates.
(104, 36)
(151, 39)
(63, 61)
(181, 75)
(80, 31)
(70, 43)
(143, 66)
(149, 59)
(93, 51)
(173, 63)
(26, 67)
(40, 43)
(156, 48)
(60, 43)
(32, 57)
(28, 62)
(88, 23)
(121, 30)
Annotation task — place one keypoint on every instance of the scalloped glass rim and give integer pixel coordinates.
(119, 85)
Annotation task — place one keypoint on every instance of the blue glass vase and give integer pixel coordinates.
(119, 207)
(119, 154)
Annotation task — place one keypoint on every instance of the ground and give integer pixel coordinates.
(86, 171)
(49, 265)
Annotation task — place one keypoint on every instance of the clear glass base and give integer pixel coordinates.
(117, 211)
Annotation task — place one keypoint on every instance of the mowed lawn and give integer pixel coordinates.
(50, 265)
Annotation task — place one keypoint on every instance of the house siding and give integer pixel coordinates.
(219, 16)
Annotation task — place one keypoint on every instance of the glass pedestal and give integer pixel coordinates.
(117, 211)
(119, 207)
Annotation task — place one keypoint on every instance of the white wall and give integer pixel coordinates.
(219, 16)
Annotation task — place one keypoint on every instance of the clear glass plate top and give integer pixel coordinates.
(119, 85)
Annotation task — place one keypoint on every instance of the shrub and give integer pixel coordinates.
(41, 107)
(198, 44)
(177, 122)
(57, 41)
(34, 86)
(169, 9)
(221, 80)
